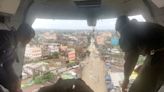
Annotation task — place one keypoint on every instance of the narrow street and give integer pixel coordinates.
(94, 71)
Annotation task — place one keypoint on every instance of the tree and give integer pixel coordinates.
(55, 55)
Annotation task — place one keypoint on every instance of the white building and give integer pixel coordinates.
(33, 52)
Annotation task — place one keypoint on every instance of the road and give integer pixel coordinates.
(94, 71)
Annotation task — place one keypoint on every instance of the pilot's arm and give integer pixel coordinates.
(129, 45)
(131, 58)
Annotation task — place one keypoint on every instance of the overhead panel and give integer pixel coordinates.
(9, 6)
(158, 3)
(87, 3)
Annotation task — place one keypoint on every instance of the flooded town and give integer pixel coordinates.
(53, 55)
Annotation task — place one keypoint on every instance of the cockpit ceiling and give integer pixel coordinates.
(9, 6)
(70, 9)
(87, 3)
(81, 9)
(86, 9)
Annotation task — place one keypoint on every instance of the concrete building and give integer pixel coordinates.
(33, 52)
(53, 47)
(102, 37)
(100, 40)
(45, 51)
(50, 36)
(63, 48)
(71, 54)
(50, 48)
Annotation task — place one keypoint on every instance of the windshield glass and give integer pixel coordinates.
(70, 49)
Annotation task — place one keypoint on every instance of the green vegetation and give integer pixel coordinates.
(72, 64)
(28, 84)
(55, 55)
(68, 76)
(39, 79)
(43, 78)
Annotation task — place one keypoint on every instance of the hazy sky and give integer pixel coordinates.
(102, 24)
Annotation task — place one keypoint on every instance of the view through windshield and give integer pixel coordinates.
(69, 49)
